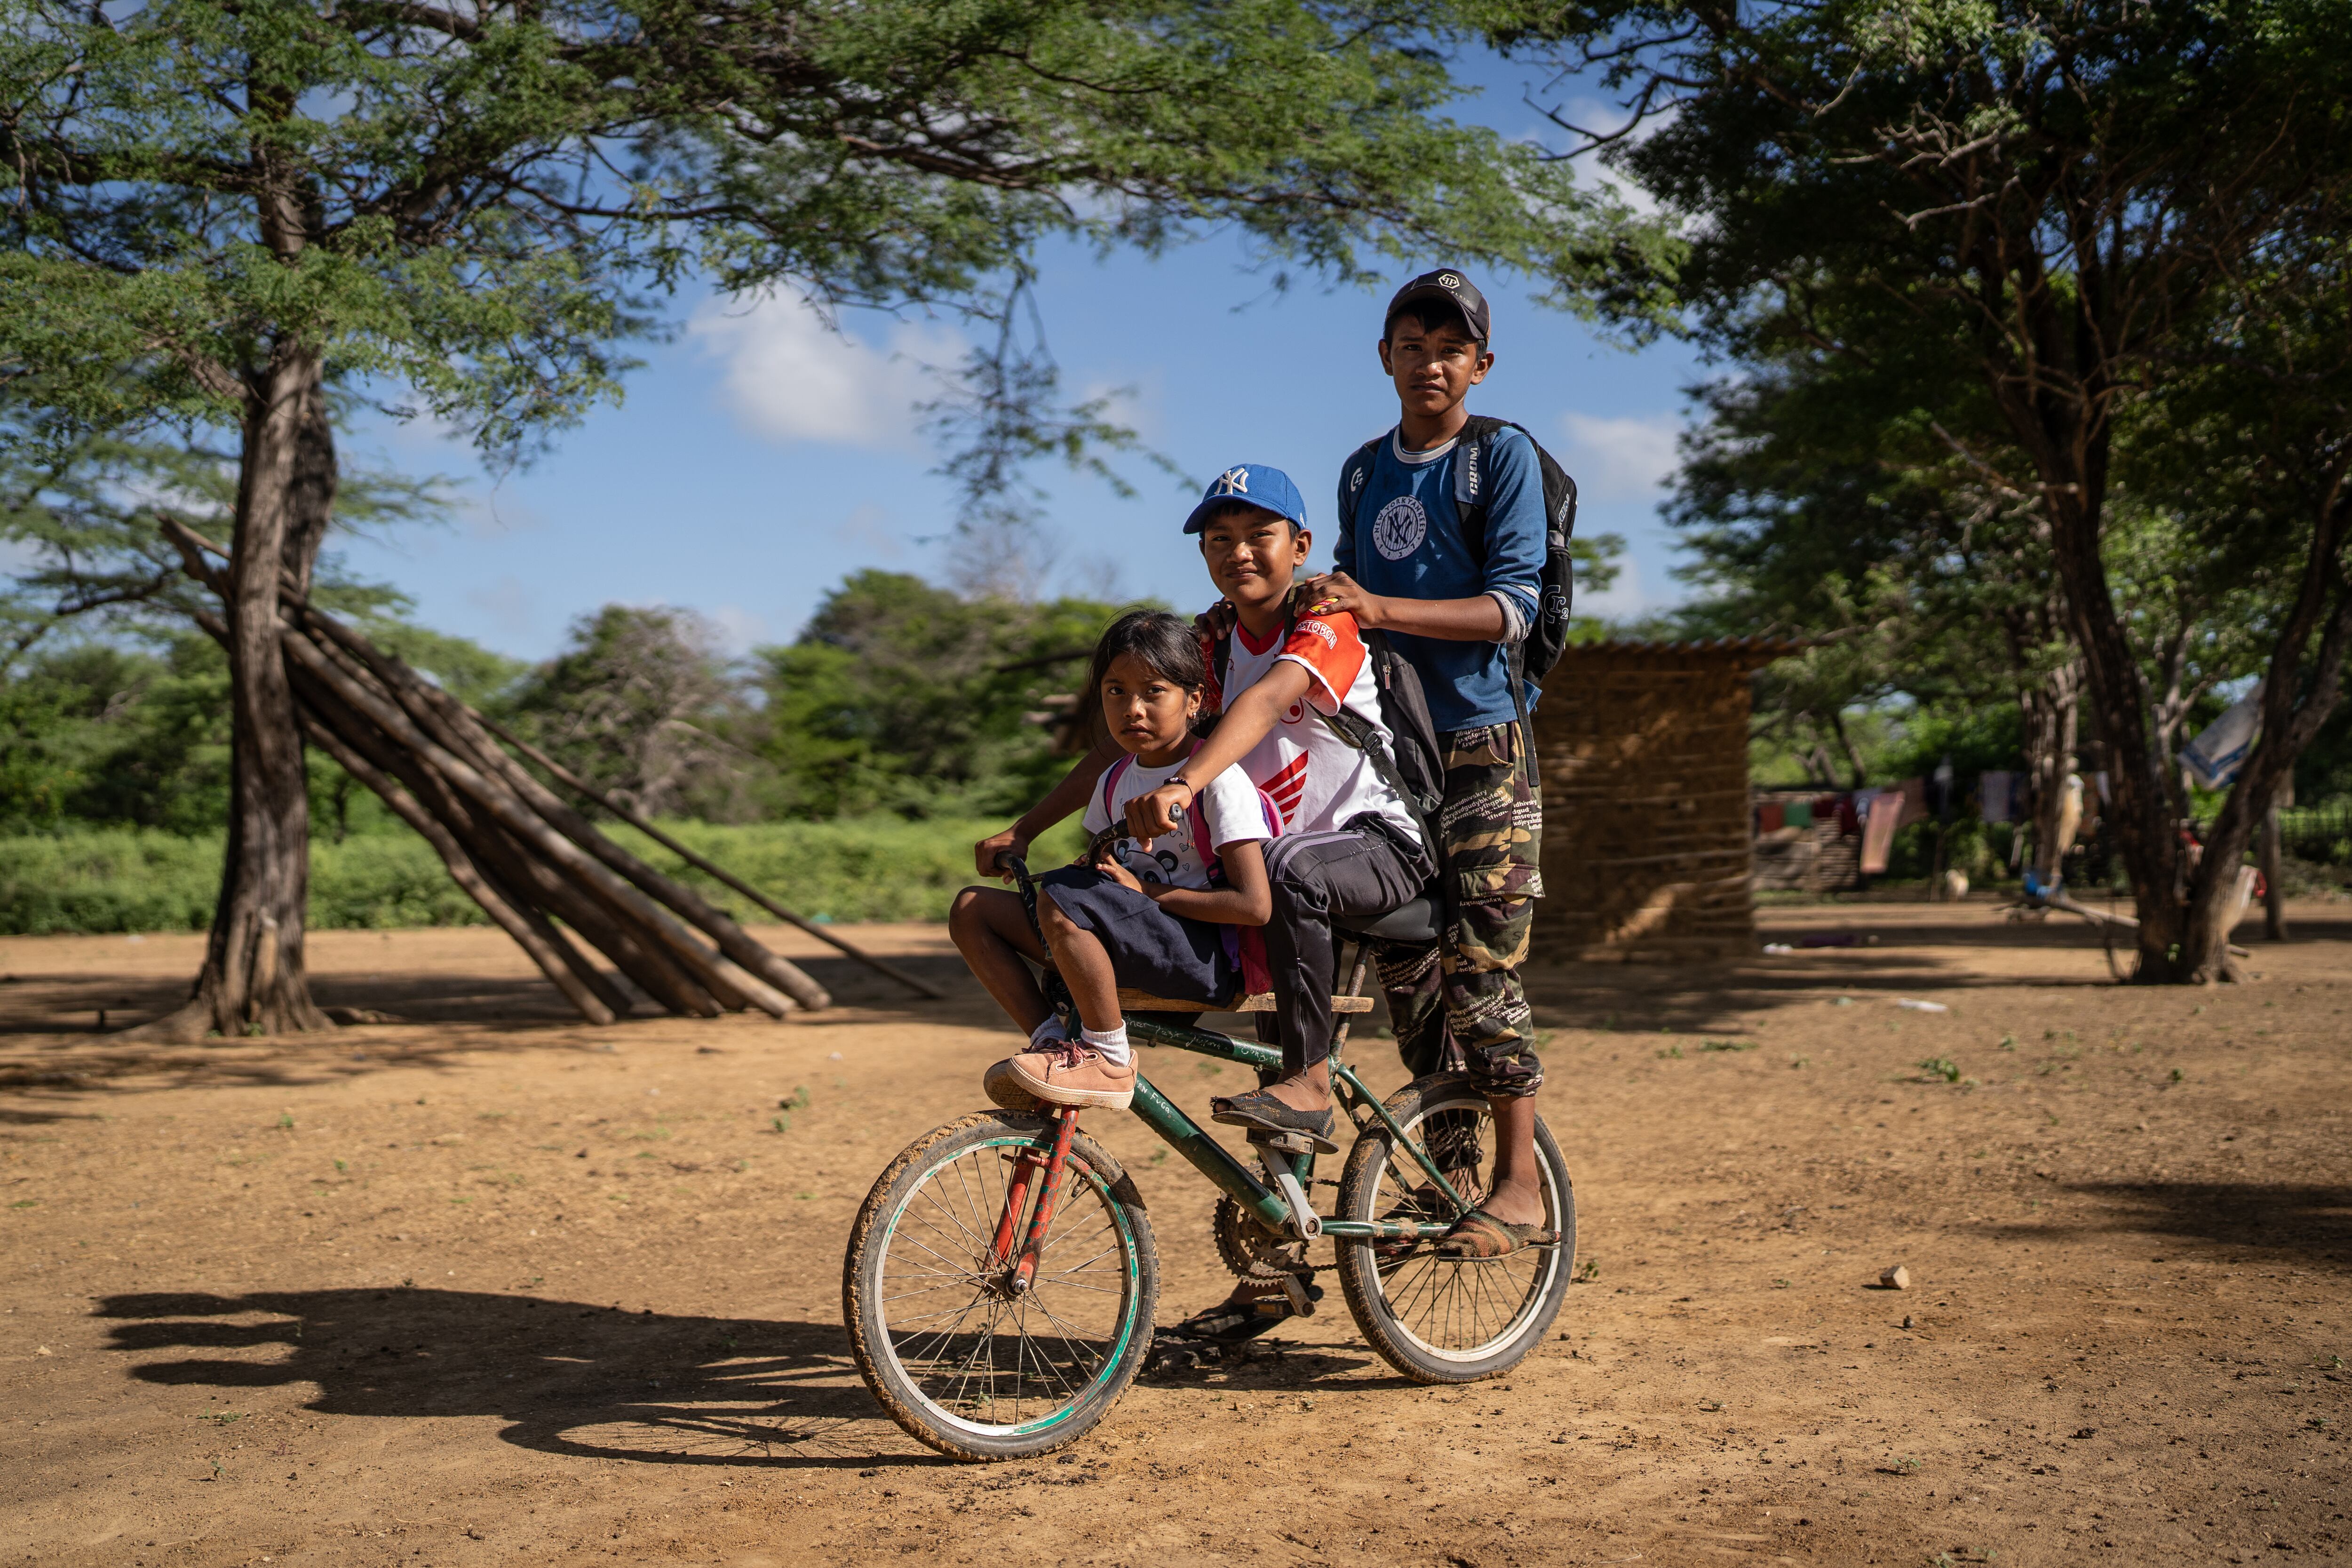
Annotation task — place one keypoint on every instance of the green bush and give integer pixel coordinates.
(137, 879)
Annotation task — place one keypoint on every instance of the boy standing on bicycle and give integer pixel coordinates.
(1455, 606)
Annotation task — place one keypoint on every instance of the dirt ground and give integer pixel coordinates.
(489, 1287)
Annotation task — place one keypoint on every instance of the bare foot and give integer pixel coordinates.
(1311, 1090)
(1514, 1202)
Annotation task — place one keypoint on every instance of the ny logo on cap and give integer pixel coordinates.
(1232, 482)
(1449, 280)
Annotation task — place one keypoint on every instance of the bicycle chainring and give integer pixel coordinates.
(1252, 1252)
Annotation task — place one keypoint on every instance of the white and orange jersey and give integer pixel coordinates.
(1318, 781)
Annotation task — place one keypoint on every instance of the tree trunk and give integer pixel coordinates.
(2274, 881)
(2052, 709)
(253, 980)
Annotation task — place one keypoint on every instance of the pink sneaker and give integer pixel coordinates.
(1065, 1073)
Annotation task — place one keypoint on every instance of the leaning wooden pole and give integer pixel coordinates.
(536, 894)
(544, 946)
(454, 726)
(514, 816)
(581, 786)
(526, 856)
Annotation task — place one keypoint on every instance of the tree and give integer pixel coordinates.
(2074, 190)
(902, 696)
(219, 212)
(1828, 493)
(640, 706)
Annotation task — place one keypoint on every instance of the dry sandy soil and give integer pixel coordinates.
(487, 1286)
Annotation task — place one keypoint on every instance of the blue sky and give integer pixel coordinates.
(757, 458)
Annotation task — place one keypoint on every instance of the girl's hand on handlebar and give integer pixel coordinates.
(1009, 842)
(1156, 814)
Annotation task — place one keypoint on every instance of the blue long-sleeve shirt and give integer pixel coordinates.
(1404, 540)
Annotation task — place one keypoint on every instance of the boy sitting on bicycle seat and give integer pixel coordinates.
(1348, 847)
(1159, 916)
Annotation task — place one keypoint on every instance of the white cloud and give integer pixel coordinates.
(791, 378)
(739, 630)
(1620, 459)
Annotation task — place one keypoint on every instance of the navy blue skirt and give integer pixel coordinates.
(1150, 949)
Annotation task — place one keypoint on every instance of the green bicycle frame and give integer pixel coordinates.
(1206, 1154)
(1208, 1157)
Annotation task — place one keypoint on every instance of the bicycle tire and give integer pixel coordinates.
(1400, 1299)
(945, 1384)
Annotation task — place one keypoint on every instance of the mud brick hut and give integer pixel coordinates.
(1647, 841)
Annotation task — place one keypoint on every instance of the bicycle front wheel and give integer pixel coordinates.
(1434, 1318)
(961, 1361)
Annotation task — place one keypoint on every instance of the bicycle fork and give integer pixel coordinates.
(1044, 1172)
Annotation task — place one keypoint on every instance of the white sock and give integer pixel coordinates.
(1051, 1029)
(1111, 1043)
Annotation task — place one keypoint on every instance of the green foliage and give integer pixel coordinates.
(900, 696)
(137, 879)
(96, 733)
(641, 705)
(470, 202)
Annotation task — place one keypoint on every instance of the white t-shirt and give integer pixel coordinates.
(1228, 804)
(1318, 781)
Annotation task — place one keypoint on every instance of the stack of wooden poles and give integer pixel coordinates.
(537, 866)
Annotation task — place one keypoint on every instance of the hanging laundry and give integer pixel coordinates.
(1885, 811)
(1914, 801)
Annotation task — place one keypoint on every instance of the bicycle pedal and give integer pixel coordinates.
(1283, 1143)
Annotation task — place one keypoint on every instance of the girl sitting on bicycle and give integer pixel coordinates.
(1159, 916)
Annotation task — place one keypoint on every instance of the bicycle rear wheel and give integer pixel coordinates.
(1435, 1320)
(962, 1362)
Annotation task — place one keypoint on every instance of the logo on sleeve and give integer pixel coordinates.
(1399, 528)
(1321, 632)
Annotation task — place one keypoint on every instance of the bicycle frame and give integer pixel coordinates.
(1210, 1158)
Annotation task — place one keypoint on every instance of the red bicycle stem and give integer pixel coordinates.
(1042, 1217)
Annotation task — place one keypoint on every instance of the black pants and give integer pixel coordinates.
(1359, 872)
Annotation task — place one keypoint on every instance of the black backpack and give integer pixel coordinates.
(1557, 584)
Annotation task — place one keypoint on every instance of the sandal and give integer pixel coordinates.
(1260, 1110)
(1231, 1322)
(1478, 1237)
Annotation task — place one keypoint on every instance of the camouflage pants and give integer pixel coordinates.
(1459, 1005)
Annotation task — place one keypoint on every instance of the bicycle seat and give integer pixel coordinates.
(1413, 921)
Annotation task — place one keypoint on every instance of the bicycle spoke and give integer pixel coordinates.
(996, 1359)
(1445, 1304)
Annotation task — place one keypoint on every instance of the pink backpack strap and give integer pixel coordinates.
(1110, 783)
(1271, 813)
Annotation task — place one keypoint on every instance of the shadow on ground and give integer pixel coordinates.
(567, 1377)
(2277, 1223)
(2312, 1223)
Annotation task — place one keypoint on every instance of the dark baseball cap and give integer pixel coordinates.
(1450, 285)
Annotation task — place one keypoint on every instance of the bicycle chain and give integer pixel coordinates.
(1250, 1251)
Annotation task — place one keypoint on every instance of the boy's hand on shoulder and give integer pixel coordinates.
(1216, 622)
(1335, 593)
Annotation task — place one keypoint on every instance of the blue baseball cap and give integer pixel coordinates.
(1252, 484)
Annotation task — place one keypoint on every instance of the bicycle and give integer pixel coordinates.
(1001, 1278)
